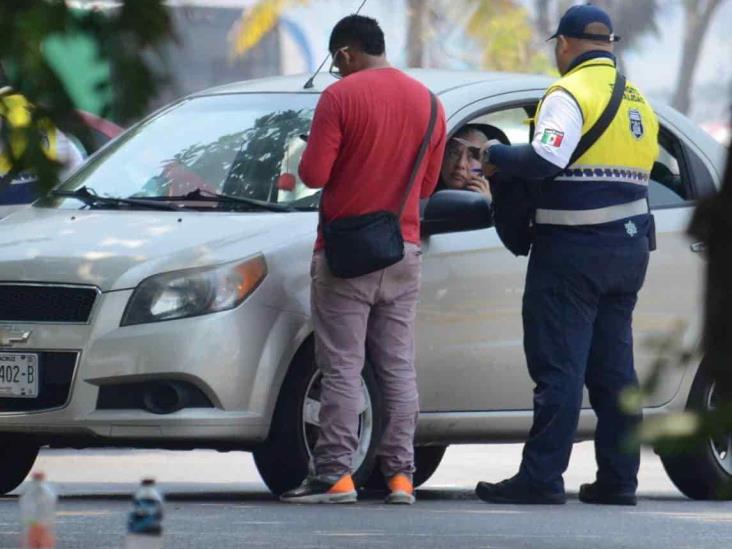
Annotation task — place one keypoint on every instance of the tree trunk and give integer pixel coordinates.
(416, 15)
(698, 15)
(543, 23)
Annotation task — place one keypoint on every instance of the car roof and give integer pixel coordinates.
(438, 81)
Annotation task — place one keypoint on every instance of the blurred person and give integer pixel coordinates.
(363, 150)
(595, 143)
(16, 110)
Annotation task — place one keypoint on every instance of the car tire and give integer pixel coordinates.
(426, 461)
(17, 456)
(283, 460)
(702, 472)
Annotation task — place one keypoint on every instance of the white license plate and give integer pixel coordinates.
(18, 375)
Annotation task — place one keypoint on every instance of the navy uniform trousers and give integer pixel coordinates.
(577, 311)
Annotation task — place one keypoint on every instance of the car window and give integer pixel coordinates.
(244, 145)
(668, 186)
(462, 170)
(513, 122)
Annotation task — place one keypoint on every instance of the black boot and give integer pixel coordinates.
(518, 492)
(601, 495)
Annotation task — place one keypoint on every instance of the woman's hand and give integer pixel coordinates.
(479, 184)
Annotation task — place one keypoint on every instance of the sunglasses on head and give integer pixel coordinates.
(457, 146)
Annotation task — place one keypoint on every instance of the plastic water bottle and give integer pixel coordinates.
(38, 514)
(145, 523)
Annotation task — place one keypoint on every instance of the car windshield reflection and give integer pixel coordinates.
(245, 146)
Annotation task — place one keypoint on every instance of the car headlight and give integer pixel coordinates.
(194, 292)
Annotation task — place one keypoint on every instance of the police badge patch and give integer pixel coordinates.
(636, 123)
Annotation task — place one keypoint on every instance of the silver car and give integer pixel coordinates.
(160, 297)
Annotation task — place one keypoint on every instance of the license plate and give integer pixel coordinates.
(18, 375)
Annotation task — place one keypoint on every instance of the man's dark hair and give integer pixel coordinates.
(362, 33)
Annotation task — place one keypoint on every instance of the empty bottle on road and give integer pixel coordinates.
(38, 514)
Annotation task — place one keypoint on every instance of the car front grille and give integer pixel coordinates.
(46, 303)
(56, 371)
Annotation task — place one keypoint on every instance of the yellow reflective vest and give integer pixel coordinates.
(606, 189)
(16, 112)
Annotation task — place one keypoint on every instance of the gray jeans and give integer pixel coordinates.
(370, 315)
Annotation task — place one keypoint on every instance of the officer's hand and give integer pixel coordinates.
(488, 169)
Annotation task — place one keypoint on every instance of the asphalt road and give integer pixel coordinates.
(217, 501)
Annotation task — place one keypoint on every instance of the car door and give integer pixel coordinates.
(470, 354)
(469, 329)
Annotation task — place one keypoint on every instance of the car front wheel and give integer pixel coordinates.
(17, 456)
(703, 472)
(284, 458)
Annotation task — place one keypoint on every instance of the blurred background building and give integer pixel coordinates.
(677, 51)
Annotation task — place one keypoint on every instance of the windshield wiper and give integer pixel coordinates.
(208, 196)
(89, 197)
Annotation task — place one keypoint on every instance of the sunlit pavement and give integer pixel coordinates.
(217, 500)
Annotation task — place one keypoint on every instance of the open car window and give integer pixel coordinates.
(512, 121)
(669, 185)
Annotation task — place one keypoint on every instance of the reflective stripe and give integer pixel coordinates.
(591, 217)
(611, 174)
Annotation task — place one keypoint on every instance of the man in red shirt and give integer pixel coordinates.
(363, 145)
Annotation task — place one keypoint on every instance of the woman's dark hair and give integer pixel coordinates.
(360, 32)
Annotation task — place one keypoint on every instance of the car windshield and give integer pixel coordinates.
(244, 146)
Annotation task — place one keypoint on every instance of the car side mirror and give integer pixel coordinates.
(453, 211)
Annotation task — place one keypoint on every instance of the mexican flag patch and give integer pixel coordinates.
(553, 138)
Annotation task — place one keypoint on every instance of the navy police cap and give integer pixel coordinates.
(575, 21)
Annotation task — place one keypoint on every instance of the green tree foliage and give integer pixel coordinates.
(697, 16)
(501, 30)
(636, 19)
(508, 41)
(632, 20)
(126, 40)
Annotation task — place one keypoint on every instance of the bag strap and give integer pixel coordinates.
(422, 151)
(603, 123)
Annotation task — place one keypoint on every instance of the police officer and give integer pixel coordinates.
(588, 261)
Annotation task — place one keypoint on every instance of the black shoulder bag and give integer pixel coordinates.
(514, 199)
(359, 245)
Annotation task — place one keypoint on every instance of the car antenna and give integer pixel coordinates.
(309, 84)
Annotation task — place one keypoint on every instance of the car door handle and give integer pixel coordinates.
(698, 247)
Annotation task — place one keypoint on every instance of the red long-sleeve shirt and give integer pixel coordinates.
(363, 143)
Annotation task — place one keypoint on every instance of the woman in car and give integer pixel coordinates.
(461, 167)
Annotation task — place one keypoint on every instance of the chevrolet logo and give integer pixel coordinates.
(11, 336)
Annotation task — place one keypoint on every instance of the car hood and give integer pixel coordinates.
(115, 250)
